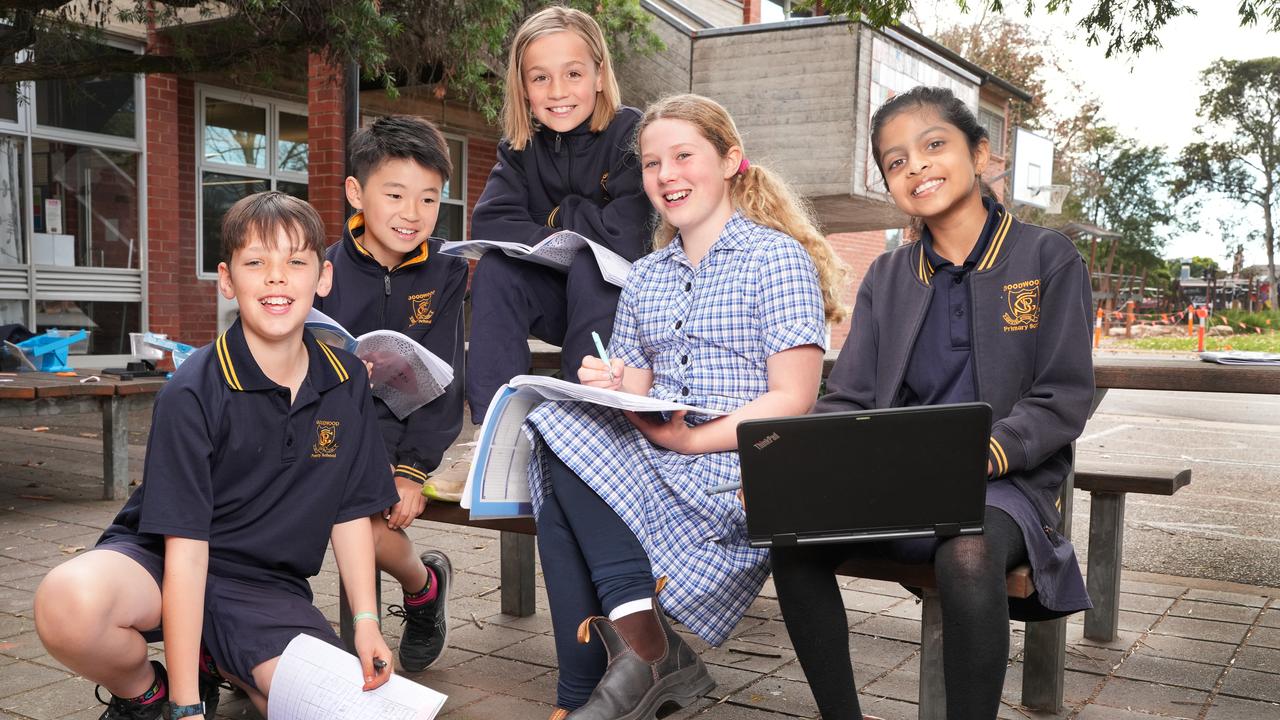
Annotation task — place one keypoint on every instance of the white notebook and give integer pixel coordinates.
(497, 485)
(316, 681)
(555, 251)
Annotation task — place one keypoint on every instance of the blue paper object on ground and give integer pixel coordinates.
(48, 352)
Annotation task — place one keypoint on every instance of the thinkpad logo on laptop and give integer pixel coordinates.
(767, 441)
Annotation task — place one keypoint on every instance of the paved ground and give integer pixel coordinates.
(1188, 648)
(1224, 525)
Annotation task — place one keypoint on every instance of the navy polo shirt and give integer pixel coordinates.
(231, 461)
(941, 366)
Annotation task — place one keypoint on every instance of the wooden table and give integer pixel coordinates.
(114, 396)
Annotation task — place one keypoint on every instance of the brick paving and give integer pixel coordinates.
(1187, 648)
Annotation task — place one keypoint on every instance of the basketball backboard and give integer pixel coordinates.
(1032, 168)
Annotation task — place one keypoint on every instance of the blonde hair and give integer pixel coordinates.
(760, 195)
(517, 121)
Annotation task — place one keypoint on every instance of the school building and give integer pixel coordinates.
(112, 189)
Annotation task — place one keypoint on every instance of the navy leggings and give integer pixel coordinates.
(592, 563)
(512, 299)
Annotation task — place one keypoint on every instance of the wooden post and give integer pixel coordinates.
(115, 447)
(1106, 542)
(517, 573)
(933, 687)
(1045, 652)
(1128, 320)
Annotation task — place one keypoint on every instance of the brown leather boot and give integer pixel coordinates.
(633, 689)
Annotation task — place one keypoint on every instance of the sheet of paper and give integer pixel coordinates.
(1241, 357)
(555, 251)
(405, 375)
(316, 681)
(554, 389)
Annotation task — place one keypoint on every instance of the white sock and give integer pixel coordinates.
(628, 608)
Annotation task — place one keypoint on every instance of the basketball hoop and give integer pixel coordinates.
(1057, 196)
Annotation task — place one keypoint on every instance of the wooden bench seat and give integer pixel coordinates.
(1108, 483)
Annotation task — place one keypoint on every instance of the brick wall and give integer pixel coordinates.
(197, 299)
(857, 250)
(326, 137)
(163, 183)
(482, 152)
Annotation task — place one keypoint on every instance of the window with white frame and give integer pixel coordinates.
(72, 230)
(452, 223)
(246, 144)
(993, 121)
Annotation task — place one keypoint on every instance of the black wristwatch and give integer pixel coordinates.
(176, 712)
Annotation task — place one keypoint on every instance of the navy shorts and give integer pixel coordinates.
(245, 623)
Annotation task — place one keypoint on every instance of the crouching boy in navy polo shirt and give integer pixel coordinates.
(388, 275)
(263, 448)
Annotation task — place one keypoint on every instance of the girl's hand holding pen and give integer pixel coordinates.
(596, 373)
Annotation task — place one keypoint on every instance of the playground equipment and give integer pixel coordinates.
(48, 352)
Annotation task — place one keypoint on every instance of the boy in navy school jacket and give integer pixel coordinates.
(263, 449)
(388, 274)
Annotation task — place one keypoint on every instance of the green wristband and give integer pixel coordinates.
(365, 616)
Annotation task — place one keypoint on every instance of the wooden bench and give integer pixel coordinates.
(1108, 484)
(29, 391)
(1044, 657)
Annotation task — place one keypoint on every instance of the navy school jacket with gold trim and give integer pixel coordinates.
(1031, 348)
(422, 298)
(583, 181)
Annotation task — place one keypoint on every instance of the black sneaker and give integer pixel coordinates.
(119, 708)
(211, 687)
(427, 626)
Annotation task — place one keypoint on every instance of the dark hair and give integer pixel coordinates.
(402, 137)
(263, 215)
(942, 101)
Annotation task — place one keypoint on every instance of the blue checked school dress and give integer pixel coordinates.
(706, 333)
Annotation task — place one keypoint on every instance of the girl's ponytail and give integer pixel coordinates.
(766, 199)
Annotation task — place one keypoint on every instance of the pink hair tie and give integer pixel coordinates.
(742, 166)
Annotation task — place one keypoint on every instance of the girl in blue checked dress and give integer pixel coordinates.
(728, 313)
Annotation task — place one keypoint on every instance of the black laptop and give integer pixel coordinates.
(872, 475)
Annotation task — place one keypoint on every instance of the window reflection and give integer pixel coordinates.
(235, 133)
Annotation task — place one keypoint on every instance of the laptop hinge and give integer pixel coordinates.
(785, 540)
(946, 530)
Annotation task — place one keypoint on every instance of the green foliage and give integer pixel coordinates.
(1198, 266)
(1249, 322)
(1248, 341)
(1120, 185)
(459, 46)
(1238, 155)
(1123, 26)
(1013, 52)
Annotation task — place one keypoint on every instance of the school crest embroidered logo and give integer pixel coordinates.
(326, 439)
(420, 310)
(1024, 306)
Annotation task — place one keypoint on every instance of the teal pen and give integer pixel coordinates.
(603, 354)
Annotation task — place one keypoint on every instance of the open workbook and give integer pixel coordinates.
(556, 251)
(316, 681)
(405, 375)
(497, 485)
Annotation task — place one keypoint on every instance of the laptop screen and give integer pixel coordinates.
(900, 472)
